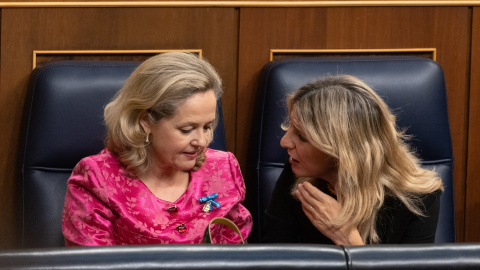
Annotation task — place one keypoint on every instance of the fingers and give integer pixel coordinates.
(307, 205)
(311, 194)
(314, 200)
(322, 210)
(306, 194)
(309, 212)
(315, 192)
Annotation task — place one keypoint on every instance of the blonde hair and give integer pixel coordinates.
(343, 117)
(156, 89)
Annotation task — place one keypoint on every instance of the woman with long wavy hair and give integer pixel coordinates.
(351, 178)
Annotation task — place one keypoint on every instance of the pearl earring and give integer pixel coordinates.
(147, 140)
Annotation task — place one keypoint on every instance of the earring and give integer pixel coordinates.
(147, 140)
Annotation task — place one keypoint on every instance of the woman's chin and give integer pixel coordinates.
(297, 172)
(187, 166)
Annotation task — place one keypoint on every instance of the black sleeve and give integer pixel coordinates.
(280, 225)
(422, 229)
(400, 226)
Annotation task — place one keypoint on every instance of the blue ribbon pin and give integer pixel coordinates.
(209, 201)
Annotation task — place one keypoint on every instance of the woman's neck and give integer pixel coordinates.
(167, 185)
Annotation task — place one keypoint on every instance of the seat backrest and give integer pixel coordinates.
(413, 87)
(63, 122)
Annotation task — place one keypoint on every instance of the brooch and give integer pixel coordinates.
(181, 228)
(172, 210)
(209, 201)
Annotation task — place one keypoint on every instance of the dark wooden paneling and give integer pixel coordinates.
(214, 30)
(472, 208)
(53, 56)
(444, 28)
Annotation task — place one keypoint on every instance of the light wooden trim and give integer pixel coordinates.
(353, 51)
(100, 52)
(325, 3)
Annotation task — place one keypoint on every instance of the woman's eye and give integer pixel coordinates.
(301, 138)
(185, 131)
(207, 128)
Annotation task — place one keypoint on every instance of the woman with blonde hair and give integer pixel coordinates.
(351, 178)
(156, 182)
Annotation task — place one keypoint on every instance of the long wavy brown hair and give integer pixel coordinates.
(343, 117)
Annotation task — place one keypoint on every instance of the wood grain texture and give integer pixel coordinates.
(472, 207)
(235, 3)
(26, 30)
(446, 29)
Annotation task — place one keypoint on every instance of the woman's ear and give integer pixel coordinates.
(145, 122)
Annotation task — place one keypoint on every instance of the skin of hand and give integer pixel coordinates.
(321, 209)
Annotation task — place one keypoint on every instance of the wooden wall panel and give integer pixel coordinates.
(41, 57)
(25, 30)
(443, 28)
(472, 208)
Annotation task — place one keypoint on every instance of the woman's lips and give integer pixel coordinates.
(191, 155)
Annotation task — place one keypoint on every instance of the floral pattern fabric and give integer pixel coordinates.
(104, 205)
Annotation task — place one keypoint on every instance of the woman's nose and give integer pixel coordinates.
(286, 141)
(201, 139)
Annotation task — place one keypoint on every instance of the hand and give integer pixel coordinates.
(321, 210)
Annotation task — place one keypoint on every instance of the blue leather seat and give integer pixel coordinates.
(63, 122)
(413, 87)
(210, 257)
(178, 257)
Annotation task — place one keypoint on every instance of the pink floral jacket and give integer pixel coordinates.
(104, 205)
